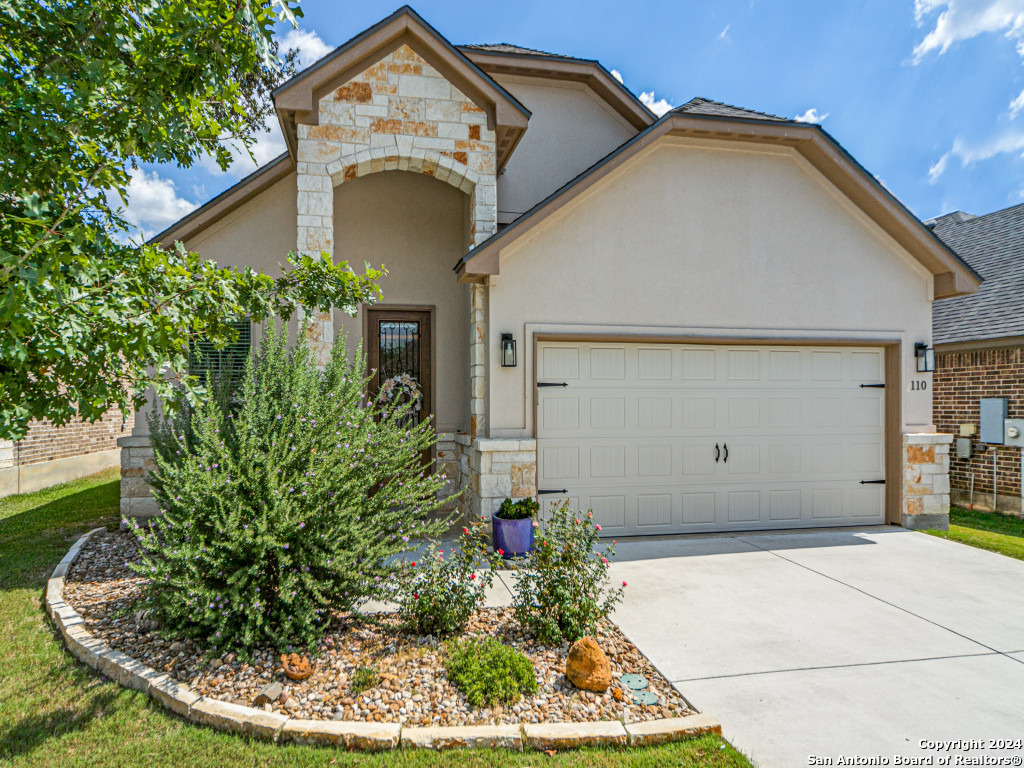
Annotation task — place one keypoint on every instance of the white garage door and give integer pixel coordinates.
(665, 438)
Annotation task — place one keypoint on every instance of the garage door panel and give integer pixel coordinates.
(634, 435)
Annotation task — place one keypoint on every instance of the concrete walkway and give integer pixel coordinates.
(853, 643)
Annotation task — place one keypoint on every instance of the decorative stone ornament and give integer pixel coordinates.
(296, 667)
(587, 667)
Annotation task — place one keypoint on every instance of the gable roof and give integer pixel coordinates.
(952, 275)
(507, 59)
(702, 106)
(298, 99)
(994, 245)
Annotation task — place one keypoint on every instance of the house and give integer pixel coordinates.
(701, 322)
(979, 345)
(49, 455)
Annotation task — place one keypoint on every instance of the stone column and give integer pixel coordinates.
(137, 461)
(926, 481)
(478, 360)
(315, 233)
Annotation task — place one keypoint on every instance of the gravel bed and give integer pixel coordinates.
(412, 689)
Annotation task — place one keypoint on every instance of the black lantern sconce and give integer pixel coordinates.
(508, 351)
(925, 357)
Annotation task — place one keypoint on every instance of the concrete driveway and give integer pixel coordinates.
(853, 643)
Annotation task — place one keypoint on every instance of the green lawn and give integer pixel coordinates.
(57, 712)
(986, 530)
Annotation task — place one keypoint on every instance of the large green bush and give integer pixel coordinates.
(282, 503)
(563, 588)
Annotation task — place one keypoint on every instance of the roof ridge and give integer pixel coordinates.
(696, 101)
(517, 50)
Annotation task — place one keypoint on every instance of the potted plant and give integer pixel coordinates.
(513, 525)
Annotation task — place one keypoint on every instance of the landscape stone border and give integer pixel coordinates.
(351, 735)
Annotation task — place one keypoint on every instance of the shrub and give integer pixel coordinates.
(364, 678)
(563, 590)
(438, 592)
(518, 510)
(488, 672)
(282, 504)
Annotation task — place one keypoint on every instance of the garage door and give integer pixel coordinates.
(667, 438)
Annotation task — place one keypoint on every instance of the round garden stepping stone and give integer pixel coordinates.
(634, 682)
(645, 697)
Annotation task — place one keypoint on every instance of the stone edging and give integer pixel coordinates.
(354, 735)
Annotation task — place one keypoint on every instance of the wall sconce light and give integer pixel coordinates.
(925, 356)
(508, 351)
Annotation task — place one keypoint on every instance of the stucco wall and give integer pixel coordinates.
(570, 130)
(417, 227)
(711, 239)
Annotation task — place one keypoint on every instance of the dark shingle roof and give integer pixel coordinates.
(994, 245)
(516, 49)
(702, 106)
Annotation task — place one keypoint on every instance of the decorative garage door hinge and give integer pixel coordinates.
(542, 491)
(872, 386)
(552, 384)
(872, 482)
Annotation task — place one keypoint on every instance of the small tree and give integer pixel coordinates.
(285, 506)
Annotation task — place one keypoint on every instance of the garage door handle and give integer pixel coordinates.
(718, 453)
(725, 446)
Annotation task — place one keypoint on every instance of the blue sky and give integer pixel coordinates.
(927, 94)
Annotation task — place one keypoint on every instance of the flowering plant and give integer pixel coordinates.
(438, 592)
(563, 587)
(401, 389)
(284, 507)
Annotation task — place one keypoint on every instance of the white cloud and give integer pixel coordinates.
(1008, 143)
(657, 106)
(960, 20)
(153, 203)
(617, 75)
(812, 116)
(311, 46)
(1017, 105)
(724, 34)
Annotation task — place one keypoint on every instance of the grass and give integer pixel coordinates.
(986, 530)
(55, 711)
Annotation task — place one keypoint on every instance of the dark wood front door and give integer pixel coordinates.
(398, 342)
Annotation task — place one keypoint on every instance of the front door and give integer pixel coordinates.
(398, 346)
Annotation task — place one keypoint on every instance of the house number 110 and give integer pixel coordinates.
(921, 384)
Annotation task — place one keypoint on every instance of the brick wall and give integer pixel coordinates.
(46, 442)
(961, 379)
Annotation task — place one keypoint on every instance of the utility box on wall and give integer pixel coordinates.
(1014, 432)
(993, 414)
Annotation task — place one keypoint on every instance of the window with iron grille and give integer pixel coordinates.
(228, 362)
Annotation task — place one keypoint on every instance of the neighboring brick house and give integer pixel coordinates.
(49, 455)
(979, 345)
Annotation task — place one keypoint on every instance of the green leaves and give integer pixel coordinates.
(283, 502)
(89, 321)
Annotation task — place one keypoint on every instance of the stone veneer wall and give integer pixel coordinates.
(493, 470)
(926, 481)
(400, 114)
(137, 461)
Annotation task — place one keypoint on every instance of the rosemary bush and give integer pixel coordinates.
(283, 503)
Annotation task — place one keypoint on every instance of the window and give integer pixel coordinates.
(228, 362)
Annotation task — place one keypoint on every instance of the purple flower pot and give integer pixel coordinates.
(513, 537)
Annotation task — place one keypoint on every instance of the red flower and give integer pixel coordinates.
(625, 584)
(598, 527)
(413, 563)
(416, 595)
(501, 552)
(465, 530)
(472, 576)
